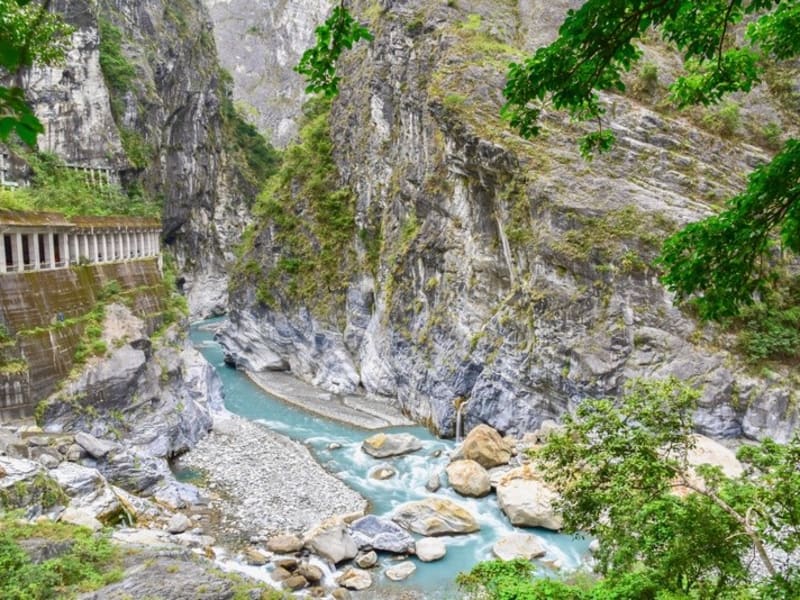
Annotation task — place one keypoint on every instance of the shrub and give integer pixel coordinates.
(88, 562)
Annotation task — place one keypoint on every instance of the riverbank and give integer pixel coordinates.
(358, 410)
(262, 483)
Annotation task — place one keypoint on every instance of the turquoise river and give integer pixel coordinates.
(352, 465)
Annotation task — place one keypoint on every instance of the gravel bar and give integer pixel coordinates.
(367, 412)
(264, 483)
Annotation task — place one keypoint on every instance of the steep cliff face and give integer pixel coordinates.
(157, 118)
(259, 42)
(484, 268)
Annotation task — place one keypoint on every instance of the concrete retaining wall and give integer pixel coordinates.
(37, 308)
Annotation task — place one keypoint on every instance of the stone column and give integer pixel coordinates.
(95, 251)
(103, 247)
(20, 262)
(2, 253)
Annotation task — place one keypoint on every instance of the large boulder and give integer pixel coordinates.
(401, 571)
(91, 497)
(287, 543)
(355, 579)
(435, 516)
(430, 549)
(331, 541)
(518, 545)
(382, 445)
(485, 446)
(527, 501)
(468, 478)
(95, 447)
(381, 534)
(708, 452)
(134, 472)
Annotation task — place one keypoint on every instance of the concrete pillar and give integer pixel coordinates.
(65, 237)
(86, 254)
(129, 253)
(140, 243)
(156, 242)
(103, 248)
(95, 256)
(34, 238)
(19, 263)
(2, 253)
(50, 250)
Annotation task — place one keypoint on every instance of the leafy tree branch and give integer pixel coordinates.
(29, 33)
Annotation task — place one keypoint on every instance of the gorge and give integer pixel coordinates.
(399, 248)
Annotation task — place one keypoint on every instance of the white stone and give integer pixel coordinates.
(430, 549)
(355, 579)
(518, 545)
(527, 501)
(401, 571)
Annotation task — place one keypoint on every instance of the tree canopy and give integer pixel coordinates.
(29, 33)
(667, 528)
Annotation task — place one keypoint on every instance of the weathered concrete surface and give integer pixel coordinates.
(43, 311)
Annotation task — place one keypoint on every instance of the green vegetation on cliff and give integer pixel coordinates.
(724, 261)
(310, 218)
(255, 158)
(30, 34)
(56, 187)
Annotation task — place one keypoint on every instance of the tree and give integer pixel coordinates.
(318, 64)
(727, 260)
(29, 33)
(666, 529)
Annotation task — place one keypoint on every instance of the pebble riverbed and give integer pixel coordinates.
(264, 483)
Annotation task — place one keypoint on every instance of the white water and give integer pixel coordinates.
(352, 465)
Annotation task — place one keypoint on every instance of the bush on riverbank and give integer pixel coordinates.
(79, 560)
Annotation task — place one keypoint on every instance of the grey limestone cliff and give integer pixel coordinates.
(487, 269)
(259, 42)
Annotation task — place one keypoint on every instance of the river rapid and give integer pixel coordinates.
(337, 447)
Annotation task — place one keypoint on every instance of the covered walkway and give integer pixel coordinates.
(35, 241)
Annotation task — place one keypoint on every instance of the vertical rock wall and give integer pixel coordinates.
(504, 272)
(259, 42)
